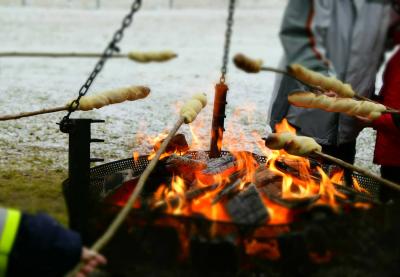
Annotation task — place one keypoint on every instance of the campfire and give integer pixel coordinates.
(279, 185)
(241, 199)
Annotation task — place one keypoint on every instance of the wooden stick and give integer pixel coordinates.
(284, 72)
(57, 55)
(96, 101)
(363, 171)
(26, 114)
(124, 212)
(107, 236)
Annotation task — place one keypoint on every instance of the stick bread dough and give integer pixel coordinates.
(146, 57)
(114, 96)
(339, 105)
(192, 108)
(294, 145)
(247, 64)
(317, 79)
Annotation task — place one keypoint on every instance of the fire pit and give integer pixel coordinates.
(255, 233)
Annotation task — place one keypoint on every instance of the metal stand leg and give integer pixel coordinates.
(77, 195)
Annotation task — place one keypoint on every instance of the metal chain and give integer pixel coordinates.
(111, 48)
(228, 35)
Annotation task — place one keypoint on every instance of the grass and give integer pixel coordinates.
(34, 191)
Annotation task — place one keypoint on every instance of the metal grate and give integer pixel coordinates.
(99, 173)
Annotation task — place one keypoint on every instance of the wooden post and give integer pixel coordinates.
(217, 129)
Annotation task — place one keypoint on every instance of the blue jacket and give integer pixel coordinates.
(42, 247)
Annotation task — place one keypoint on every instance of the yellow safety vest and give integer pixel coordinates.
(9, 222)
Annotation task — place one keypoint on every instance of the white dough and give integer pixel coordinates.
(317, 79)
(294, 145)
(192, 108)
(110, 97)
(340, 105)
(146, 57)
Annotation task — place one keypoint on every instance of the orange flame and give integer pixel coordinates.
(299, 179)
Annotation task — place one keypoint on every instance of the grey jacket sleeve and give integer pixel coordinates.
(281, 105)
(303, 33)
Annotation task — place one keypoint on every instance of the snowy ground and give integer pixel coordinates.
(196, 35)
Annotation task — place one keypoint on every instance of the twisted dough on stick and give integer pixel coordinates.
(114, 96)
(192, 108)
(317, 79)
(145, 57)
(247, 64)
(294, 145)
(338, 105)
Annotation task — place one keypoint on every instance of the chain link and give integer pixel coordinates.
(228, 35)
(111, 48)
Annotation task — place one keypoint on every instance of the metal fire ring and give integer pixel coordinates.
(99, 173)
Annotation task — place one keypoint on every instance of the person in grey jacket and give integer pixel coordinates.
(342, 38)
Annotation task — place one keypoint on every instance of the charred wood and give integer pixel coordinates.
(178, 144)
(227, 191)
(274, 192)
(247, 207)
(263, 176)
(173, 202)
(184, 167)
(219, 165)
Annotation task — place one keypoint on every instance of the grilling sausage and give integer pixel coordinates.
(294, 145)
(146, 57)
(317, 79)
(192, 108)
(332, 104)
(114, 96)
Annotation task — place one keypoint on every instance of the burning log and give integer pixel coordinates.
(175, 165)
(225, 165)
(274, 192)
(173, 202)
(176, 162)
(178, 144)
(264, 176)
(184, 167)
(228, 190)
(247, 207)
(219, 165)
